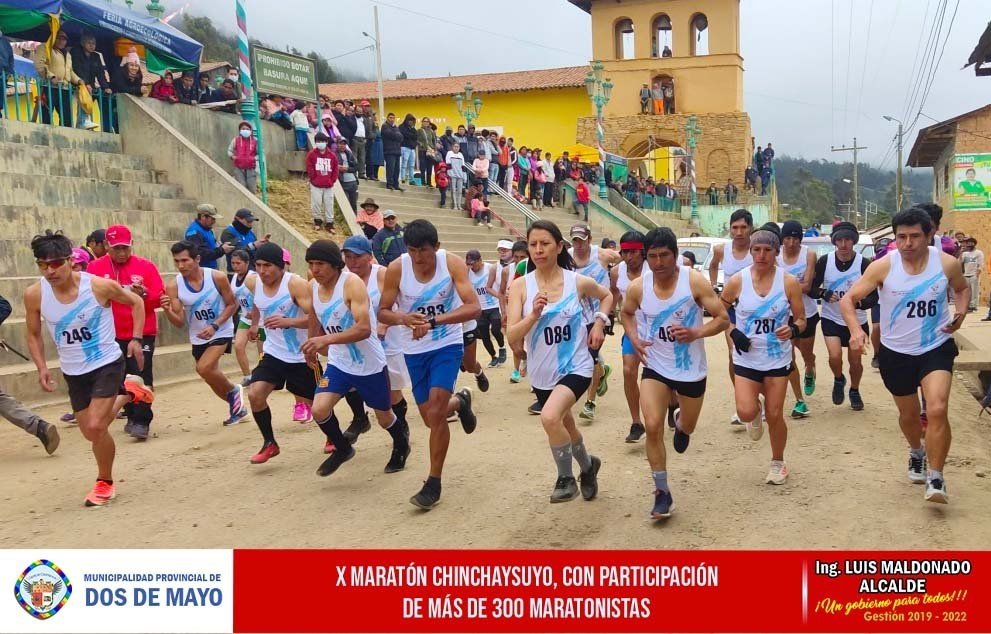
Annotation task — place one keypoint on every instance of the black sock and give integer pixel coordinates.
(264, 421)
(399, 409)
(332, 429)
(357, 405)
(432, 483)
(400, 433)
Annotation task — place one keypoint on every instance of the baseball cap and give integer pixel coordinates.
(504, 244)
(388, 213)
(472, 255)
(118, 235)
(580, 231)
(792, 229)
(206, 209)
(245, 214)
(80, 256)
(357, 244)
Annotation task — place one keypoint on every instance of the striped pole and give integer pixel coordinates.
(249, 96)
(242, 48)
(603, 193)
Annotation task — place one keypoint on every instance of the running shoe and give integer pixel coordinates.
(916, 468)
(588, 411)
(139, 431)
(810, 384)
(357, 427)
(69, 418)
(565, 490)
(680, 439)
(397, 462)
(235, 401)
(875, 363)
(778, 472)
(735, 421)
(535, 408)
(856, 403)
(936, 492)
(502, 356)
(301, 413)
(336, 459)
(128, 427)
(839, 386)
(269, 450)
(48, 435)
(756, 427)
(636, 432)
(328, 447)
(494, 363)
(468, 420)
(589, 479)
(101, 494)
(603, 386)
(514, 377)
(427, 498)
(135, 387)
(801, 410)
(663, 505)
(482, 381)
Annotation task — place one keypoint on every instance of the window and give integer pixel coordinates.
(700, 34)
(660, 38)
(624, 39)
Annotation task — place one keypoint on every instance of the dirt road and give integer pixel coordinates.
(192, 486)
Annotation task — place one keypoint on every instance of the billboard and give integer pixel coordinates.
(972, 181)
(283, 74)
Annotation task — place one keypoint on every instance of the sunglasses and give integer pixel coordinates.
(55, 263)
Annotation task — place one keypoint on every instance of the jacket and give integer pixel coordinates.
(582, 193)
(347, 125)
(470, 148)
(348, 168)
(371, 131)
(57, 67)
(203, 238)
(121, 83)
(90, 68)
(5, 309)
(392, 139)
(409, 136)
(187, 97)
(242, 237)
(446, 142)
(322, 168)
(6, 56)
(163, 92)
(244, 152)
(388, 245)
(152, 280)
(426, 139)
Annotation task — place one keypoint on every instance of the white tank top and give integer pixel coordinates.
(597, 272)
(623, 278)
(390, 345)
(203, 307)
(798, 270)
(83, 331)
(914, 308)
(282, 343)
(480, 281)
(244, 297)
(758, 317)
(360, 358)
(732, 266)
(430, 299)
(655, 317)
(558, 344)
(839, 283)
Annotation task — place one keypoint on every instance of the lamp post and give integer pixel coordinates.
(898, 172)
(692, 131)
(599, 91)
(468, 107)
(155, 9)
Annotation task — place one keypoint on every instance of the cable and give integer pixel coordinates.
(884, 49)
(849, 56)
(932, 76)
(370, 47)
(832, 69)
(924, 67)
(867, 57)
(915, 62)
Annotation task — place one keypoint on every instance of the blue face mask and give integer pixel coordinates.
(246, 133)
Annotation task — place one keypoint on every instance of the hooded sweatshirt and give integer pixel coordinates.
(244, 152)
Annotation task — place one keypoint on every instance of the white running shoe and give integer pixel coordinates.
(735, 421)
(917, 469)
(756, 427)
(778, 472)
(936, 492)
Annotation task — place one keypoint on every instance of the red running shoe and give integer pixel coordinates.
(269, 450)
(101, 494)
(329, 447)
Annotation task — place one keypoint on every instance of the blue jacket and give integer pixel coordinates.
(235, 234)
(205, 240)
(6, 56)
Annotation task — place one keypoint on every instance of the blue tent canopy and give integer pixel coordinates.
(44, 6)
(24, 67)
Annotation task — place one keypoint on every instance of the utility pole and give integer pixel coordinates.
(378, 64)
(856, 194)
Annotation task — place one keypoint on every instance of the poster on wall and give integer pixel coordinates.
(972, 181)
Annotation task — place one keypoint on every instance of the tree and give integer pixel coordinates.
(812, 196)
(402, 75)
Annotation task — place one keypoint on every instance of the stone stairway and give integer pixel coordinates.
(78, 181)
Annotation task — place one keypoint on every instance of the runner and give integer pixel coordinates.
(282, 303)
(664, 307)
(301, 407)
(741, 225)
(434, 298)
(483, 278)
(835, 273)
(917, 349)
(769, 313)
(880, 250)
(620, 276)
(545, 308)
(505, 250)
(76, 308)
(201, 301)
(592, 261)
(342, 325)
(800, 261)
(241, 266)
(512, 272)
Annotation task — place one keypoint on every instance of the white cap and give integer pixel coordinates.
(505, 244)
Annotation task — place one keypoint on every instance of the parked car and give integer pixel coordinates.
(823, 245)
(702, 248)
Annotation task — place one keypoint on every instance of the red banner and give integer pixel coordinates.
(610, 591)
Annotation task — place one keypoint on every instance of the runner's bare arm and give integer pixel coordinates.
(609, 257)
(731, 290)
(717, 259)
(617, 297)
(230, 302)
(705, 296)
(628, 318)
(961, 291)
(390, 291)
(302, 296)
(470, 308)
(518, 325)
(867, 284)
(589, 288)
(356, 297)
(810, 271)
(32, 319)
(174, 311)
(380, 277)
(793, 291)
(490, 283)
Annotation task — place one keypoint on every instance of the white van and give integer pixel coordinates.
(702, 247)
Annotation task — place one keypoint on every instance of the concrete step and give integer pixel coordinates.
(57, 137)
(173, 204)
(16, 259)
(39, 160)
(26, 221)
(67, 191)
(13, 289)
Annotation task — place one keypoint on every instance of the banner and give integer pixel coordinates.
(283, 74)
(972, 181)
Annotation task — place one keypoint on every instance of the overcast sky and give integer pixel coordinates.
(811, 81)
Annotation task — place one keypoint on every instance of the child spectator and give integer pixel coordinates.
(243, 151)
(456, 166)
(442, 181)
(480, 210)
(302, 128)
(322, 169)
(164, 89)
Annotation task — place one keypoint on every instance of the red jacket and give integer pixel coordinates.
(152, 280)
(245, 153)
(581, 190)
(322, 168)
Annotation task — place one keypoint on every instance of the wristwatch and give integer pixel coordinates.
(433, 322)
(215, 327)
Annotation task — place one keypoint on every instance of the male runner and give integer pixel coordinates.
(800, 261)
(917, 349)
(594, 262)
(512, 271)
(201, 300)
(664, 309)
(240, 265)
(620, 276)
(741, 225)
(434, 298)
(76, 308)
(342, 325)
(484, 280)
(835, 274)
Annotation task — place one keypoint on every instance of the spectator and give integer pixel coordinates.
(227, 96)
(369, 218)
(480, 172)
(669, 98)
(388, 244)
(243, 152)
(480, 211)
(348, 166)
(442, 180)
(750, 179)
(972, 260)
(456, 173)
(407, 150)
(446, 142)
(730, 191)
(96, 243)
(547, 169)
(470, 146)
(279, 114)
(322, 168)
(765, 180)
(713, 193)
(537, 180)
(645, 99)
(688, 258)
(164, 89)
(328, 125)
(503, 163)
(493, 156)
(141, 277)
(200, 233)
(241, 234)
(6, 63)
(512, 171)
(582, 196)
(301, 128)
(667, 51)
(759, 161)
(461, 138)
(375, 155)
(392, 142)
(768, 156)
(360, 134)
(204, 91)
(608, 243)
(523, 171)
(347, 124)
(426, 142)
(55, 70)
(657, 95)
(186, 89)
(92, 71)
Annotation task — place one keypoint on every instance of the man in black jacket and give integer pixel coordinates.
(91, 69)
(392, 140)
(346, 124)
(470, 147)
(241, 234)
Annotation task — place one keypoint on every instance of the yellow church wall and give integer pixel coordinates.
(543, 118)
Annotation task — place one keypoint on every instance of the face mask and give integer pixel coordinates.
(245, 133)
(321, 146)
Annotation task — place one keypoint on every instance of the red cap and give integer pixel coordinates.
(365, 102)
(118, 235)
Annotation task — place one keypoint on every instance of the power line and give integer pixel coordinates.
(849, 56)
(925, 65)
(932, 76)
(867, 57)
(884, 49)
(832, 69)
(915, 62)
(370, 47)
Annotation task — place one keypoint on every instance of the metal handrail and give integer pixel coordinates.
(40, 94)
(517, 205)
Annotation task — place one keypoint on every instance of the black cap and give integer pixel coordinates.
(245, 214)
(792, 229)
(772, 227)
(844, 230)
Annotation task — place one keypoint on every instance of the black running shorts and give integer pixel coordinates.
(758, 376)
(690, 389)
(810, 327)
(297, 378)
(903, 373)
(200, 348)
(832, 329)
(103, 382)
(576, 383)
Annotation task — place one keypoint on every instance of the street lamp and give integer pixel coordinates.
(155, 9)
(898, 172)
(599, 91)
(468, 107)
